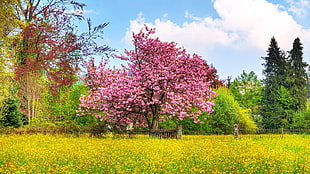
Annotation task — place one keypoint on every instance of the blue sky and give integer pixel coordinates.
(232, 35)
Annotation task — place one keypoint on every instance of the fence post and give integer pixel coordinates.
(236, 131)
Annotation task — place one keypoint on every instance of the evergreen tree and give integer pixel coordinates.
(273, 112)
(12, 116)
(297, 77)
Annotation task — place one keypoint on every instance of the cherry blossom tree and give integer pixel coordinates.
(160, 82)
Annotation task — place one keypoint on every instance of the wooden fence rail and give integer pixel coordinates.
(281, 131)
(161, 133)
(172, 133)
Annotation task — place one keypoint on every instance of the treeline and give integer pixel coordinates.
(41, 56)
(280, 99)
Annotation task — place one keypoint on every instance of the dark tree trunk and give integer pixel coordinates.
(179, 133)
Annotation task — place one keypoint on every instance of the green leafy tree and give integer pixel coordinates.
(297, 77)
(276, 74)
(247, 89)
(63, 107)
(227, 112)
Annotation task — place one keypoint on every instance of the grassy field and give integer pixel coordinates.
(193, 154)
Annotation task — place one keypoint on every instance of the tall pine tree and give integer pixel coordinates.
(274, 110)
(297, 77)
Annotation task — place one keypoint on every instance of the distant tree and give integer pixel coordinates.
(161, 82)
(228, 81)
(247, 91)
(297, 77)
(275, 78)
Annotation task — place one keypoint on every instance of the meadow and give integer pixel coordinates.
(39, 153)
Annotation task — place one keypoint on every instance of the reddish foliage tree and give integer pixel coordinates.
(44, 53)
(161, 82)
(49, 47)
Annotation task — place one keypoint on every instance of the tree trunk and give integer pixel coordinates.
(29, 110)
(179, 135)
(153, 128)
(154, 124)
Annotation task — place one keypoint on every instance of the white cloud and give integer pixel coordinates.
(256, 21)
(192, 35)
(191, 16)
(242, 24)
(299, 7)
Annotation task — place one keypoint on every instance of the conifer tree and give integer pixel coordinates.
(272, 110)
(297, 77)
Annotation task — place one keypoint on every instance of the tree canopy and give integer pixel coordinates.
(297, 77)
(161, 81)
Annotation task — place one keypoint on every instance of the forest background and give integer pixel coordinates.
(42, 57)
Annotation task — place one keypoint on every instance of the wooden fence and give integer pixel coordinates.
(170, 133)
(161, 133)
(281, 131)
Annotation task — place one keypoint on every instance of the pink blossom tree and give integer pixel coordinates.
(161, 81)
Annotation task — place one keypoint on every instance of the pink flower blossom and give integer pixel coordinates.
(161, 81)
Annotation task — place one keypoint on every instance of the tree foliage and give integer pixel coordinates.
(9, 21)
(247, 91)
(284, 85)
(63, 107)
(297, 77)
(48, 51)
(161, 82)
(48, 45)
(275, 72)
(227, 112)
(11, 115)
(301, 119)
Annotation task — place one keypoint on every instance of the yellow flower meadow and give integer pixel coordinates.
(193, 154)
